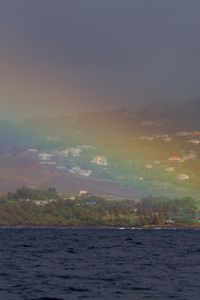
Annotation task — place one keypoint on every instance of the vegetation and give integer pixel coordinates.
(25, 193)
(29, 207)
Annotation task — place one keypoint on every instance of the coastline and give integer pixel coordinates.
(146, 227)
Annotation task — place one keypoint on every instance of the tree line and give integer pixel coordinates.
(56, 210)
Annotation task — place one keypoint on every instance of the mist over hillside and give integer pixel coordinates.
(155, 150)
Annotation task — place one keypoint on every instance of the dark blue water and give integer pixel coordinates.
(99, 264)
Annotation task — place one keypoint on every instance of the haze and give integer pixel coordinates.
(59, 57)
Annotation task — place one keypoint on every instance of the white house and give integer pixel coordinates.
(183, 133)
(174, 158)
(148, 166)
(81, 172)
(166, 138)
(44, 156)
(151, 123)
(83, 193)
(170, 169)
(47, 163)
(156, 162)
(100, 160)
(194, 141)
(183, 177)
(75, 152)
(33, 151)
(147, 138)
(64, 153)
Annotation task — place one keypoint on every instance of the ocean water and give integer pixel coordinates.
(50, 263)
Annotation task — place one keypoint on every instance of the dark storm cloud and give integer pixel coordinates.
(125, 51)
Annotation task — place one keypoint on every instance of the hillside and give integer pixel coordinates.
(152, 151)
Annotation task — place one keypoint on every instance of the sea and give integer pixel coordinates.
(81, 263)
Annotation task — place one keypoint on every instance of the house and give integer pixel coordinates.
(183, 133)
(85, 173)
(174, 158)
(196, 133)
(147, 138)
(100, 160)
(151, 123)
(44, 156)
(81, 172)
(47, 163)
(148, 166)
(85, 147)
(156, 162)
(166, 138)
(32, 151)
(25, 200)
(83, 193)
(183, 177)
(194, 141)
(169, 169)
(75, 170)
(61, 167)
(191, 155)
(64, 153)
(41, 202)
(75, 152)
(169, 221)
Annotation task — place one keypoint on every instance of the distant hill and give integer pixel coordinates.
(149, 151)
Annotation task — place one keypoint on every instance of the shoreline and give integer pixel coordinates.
(146, 227)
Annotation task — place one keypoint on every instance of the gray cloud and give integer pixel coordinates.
(127, 51)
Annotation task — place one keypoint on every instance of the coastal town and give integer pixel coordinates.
(142, 153)
(70, 160)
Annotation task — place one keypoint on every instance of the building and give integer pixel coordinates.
(64, 153)
(183, 133)
(100, 160)
(196, 133)
(191, 155)
(44, 156)
(47, 163)
(81, 172)
(85, 147)
(151, 123)
(85, 173)
(148, 166)
(194, 141)
(83, 193)
(166, 138)
(75, 152)
(183, 177)
(33, 151)
(147, 138)
(174, 158)
(156, 162)
(169, 169)
(61, 167)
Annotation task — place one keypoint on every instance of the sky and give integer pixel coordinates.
(63, 56)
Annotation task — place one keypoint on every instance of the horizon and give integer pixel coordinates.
(137, 108)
